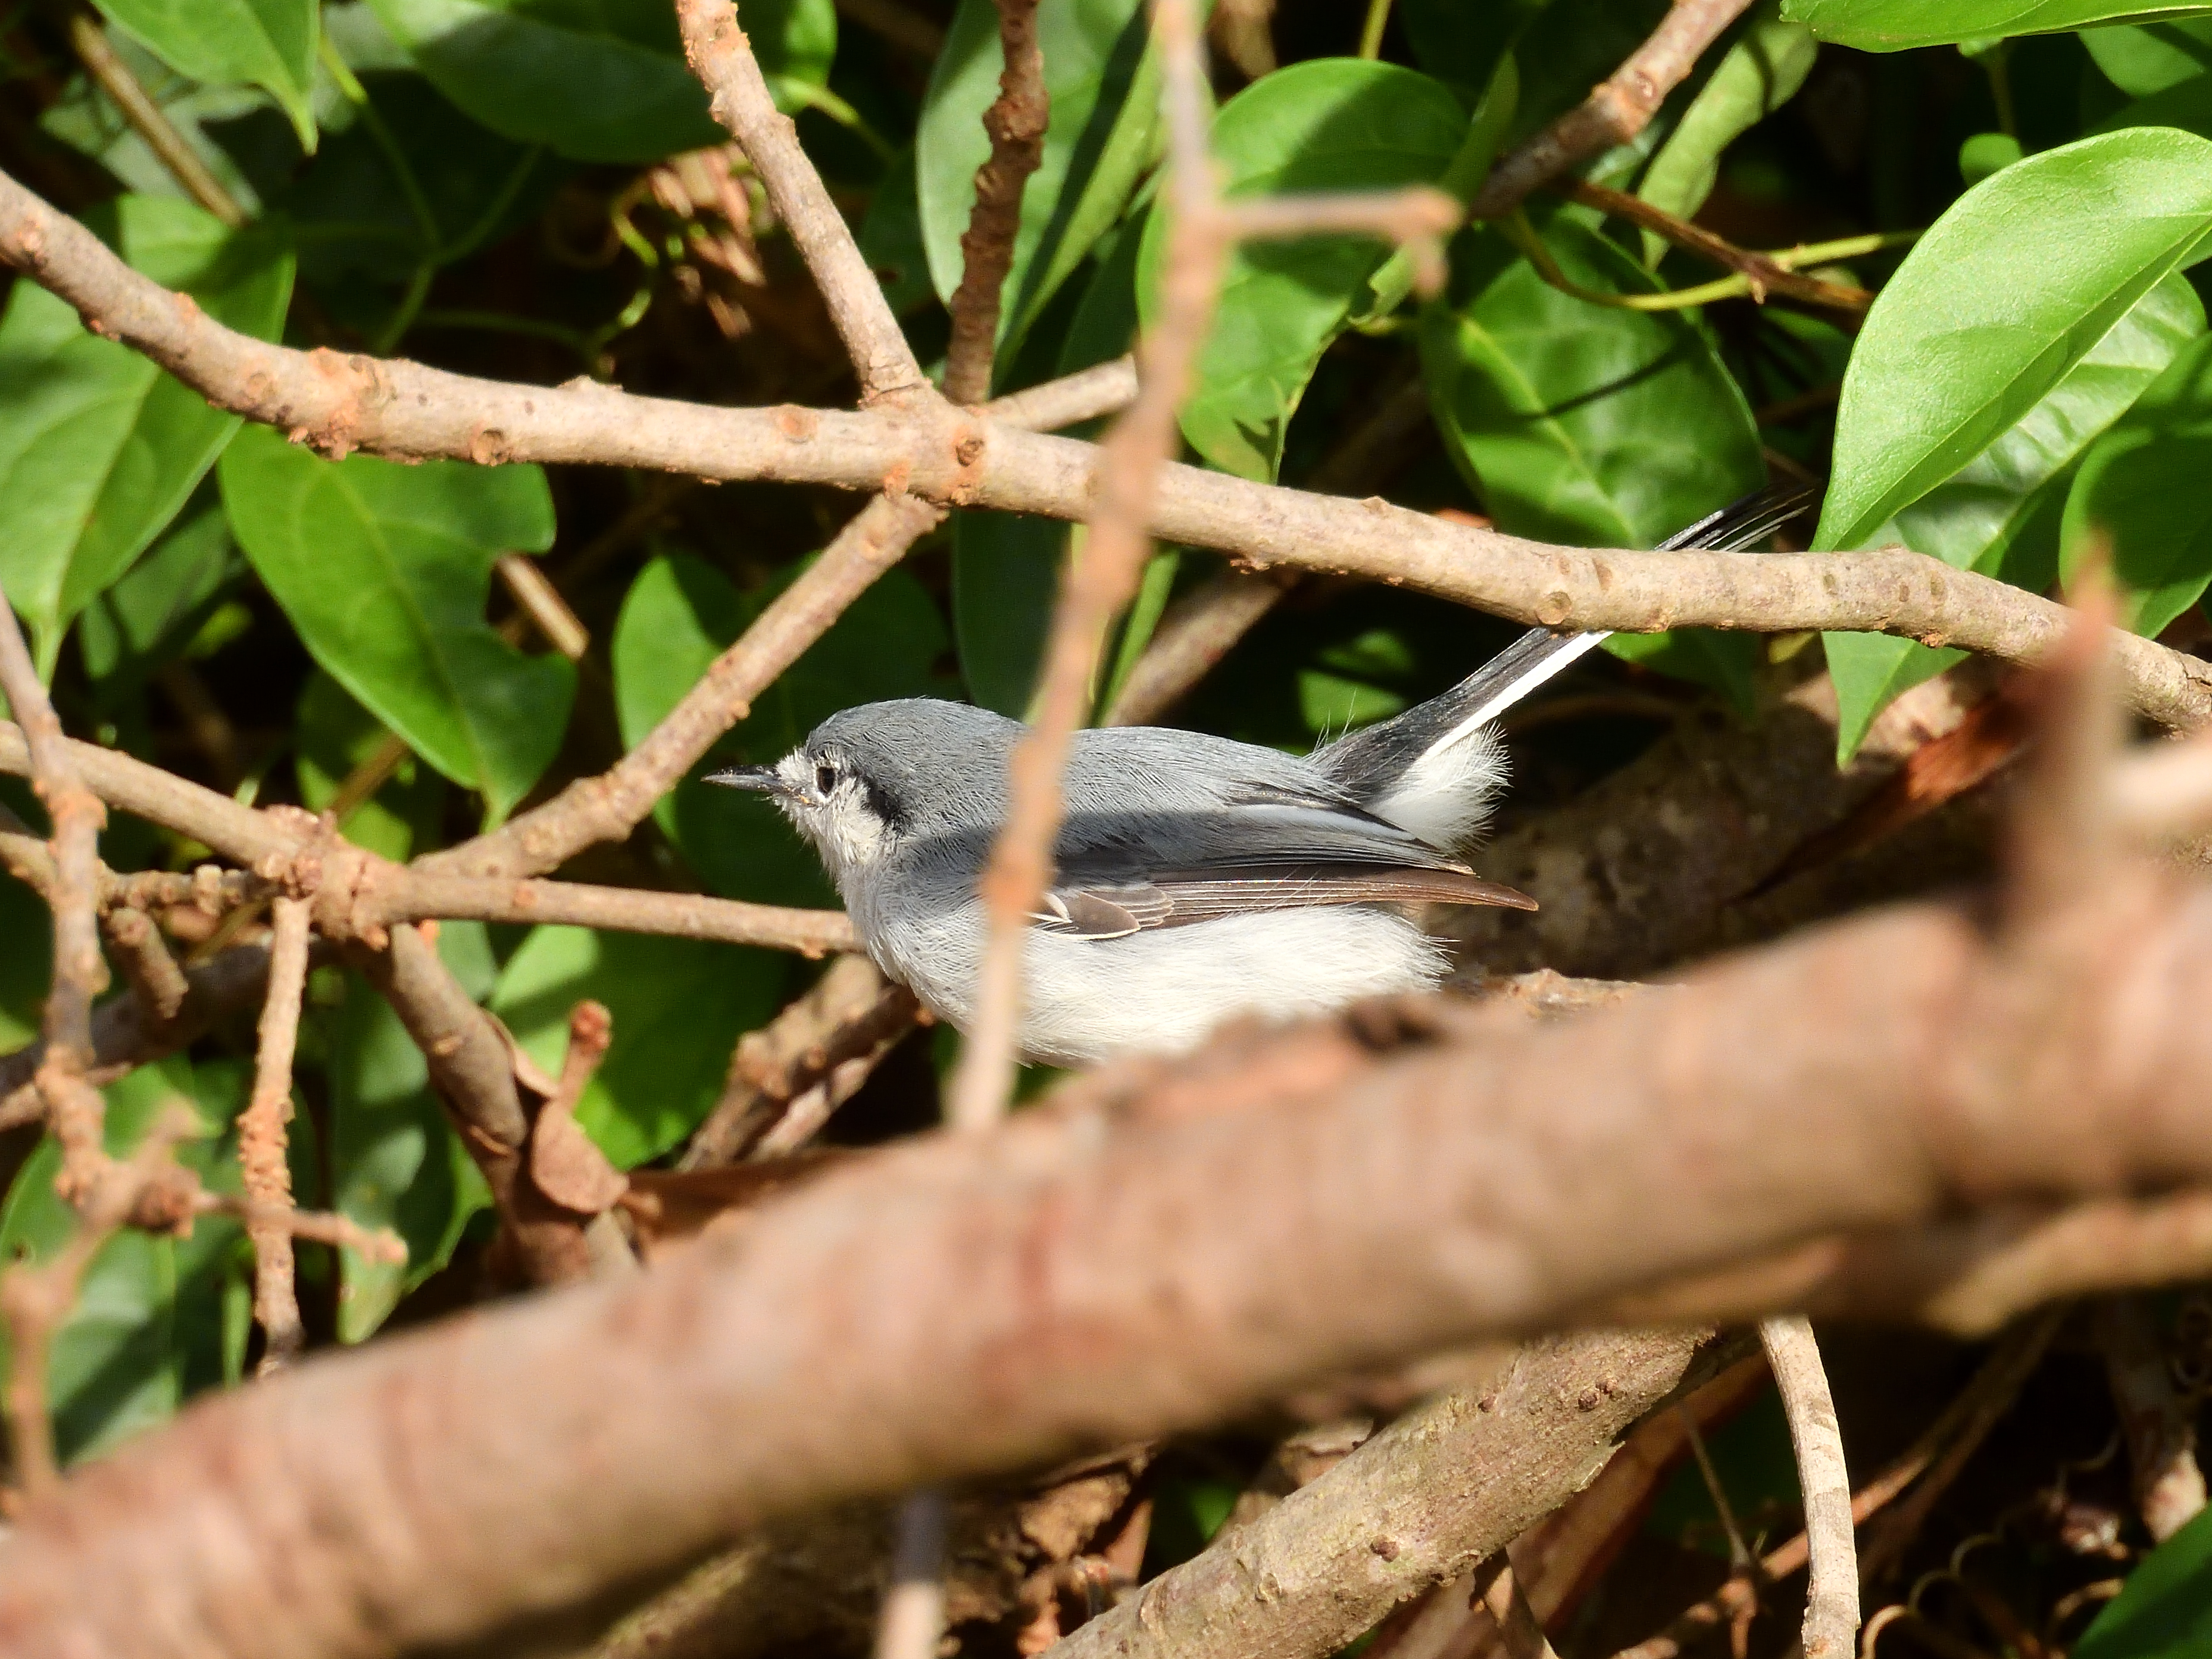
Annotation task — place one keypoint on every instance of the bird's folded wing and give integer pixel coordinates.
(1178, 899)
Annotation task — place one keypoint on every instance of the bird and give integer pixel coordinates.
(1196, 878)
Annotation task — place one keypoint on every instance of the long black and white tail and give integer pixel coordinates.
(1434, 769)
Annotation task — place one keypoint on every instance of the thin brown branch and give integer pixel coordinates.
(1831, 1595)
(170, 147)
(1765, 275)
(1616, 110)
(849, 1019)
(2159, 1420)
(539, 600)
(946, 455)
(1199, 630)
(738, 96)
(148, 967)
(566, 1165)
(1938, 1454)
(74, 1112)
(1016, 123)
(1089, 394)
(1508, 1604)
(262, 1139)
(1098, 587)
(909, 30)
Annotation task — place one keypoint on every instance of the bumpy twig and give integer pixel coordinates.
(1616, 110)
(1831, 1596)
(1131, 457)
(950, 456)
(1765, 275)
(1016, 122)
(261, 1138)
(738, 96)
(2158, 1419)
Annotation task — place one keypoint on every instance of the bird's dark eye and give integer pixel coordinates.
(825, 779)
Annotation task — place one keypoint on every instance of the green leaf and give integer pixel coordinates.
(1464, 44)
(99, 448)
(1103, 84)
(334, 734)
(595, 79)
(1005, 580)
(2006, 292)
(268, 44)
(27, 967)
(118, 1363)
(679, 1006)
(1998, 514)
(1894, 25)
(384, 570)
(1328, 123)
(1760, 73)
(1576, 423)
(2165, 1609)
(1570, 46)
(891, 237)
(2141, 494)
(2142, 59)
(154, 612)
(679, 615)
(395, 1161)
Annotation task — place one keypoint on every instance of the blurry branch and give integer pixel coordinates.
(1616, 110)
(738, 98)
(2159, 1420)
(145, 117)
(1925, 1471)
(262, 1138)
(1120, 1264)
(1445, 1486)
(1016, 124)
(901, 27)
(75, 1113)
(151, 972)
(1096, 588)
(538, 600)
(946, 455)
(1831, 1595)
(1763, 273)
(1199, 630)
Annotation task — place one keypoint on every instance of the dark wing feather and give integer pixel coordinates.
(1177, 899)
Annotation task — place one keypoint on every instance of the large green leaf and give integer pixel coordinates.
(1461, 44)
(2005, 294)
(120, 1362)
(1581, 423)
(395, 1161)
(384, 570)
(596, 80)
(1760, 73)
(333, 734)
(268, 44)
(2165, 1610)
(1330, 123)
(2141, 495)
(1104, 82)
(99, 448)
(1894, 25)
(679, 1006)
(2143, 59)
(680, 614)
(1998, 514)
(157, 609)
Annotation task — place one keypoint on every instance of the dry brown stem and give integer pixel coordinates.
(1197, 632)
(740, 99)
(74, 1112)
(1089, 394)
(786, 1078)
(1417, 1505)
(535, 597)
(145, 118)
(1616, 109)
(947, 455)
(1831, 1595)
(262, 1138)
(1128, 1264)
(1016, 123)
(147, 965)
(1765, 275)
(1096, 588)
(2158, 1419)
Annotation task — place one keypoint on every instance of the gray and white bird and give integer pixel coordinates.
(1197, 877)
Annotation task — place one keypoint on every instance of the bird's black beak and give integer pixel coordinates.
(761, 780)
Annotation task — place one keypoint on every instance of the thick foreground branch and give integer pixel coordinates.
(924, 446)
(1136, 1261)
